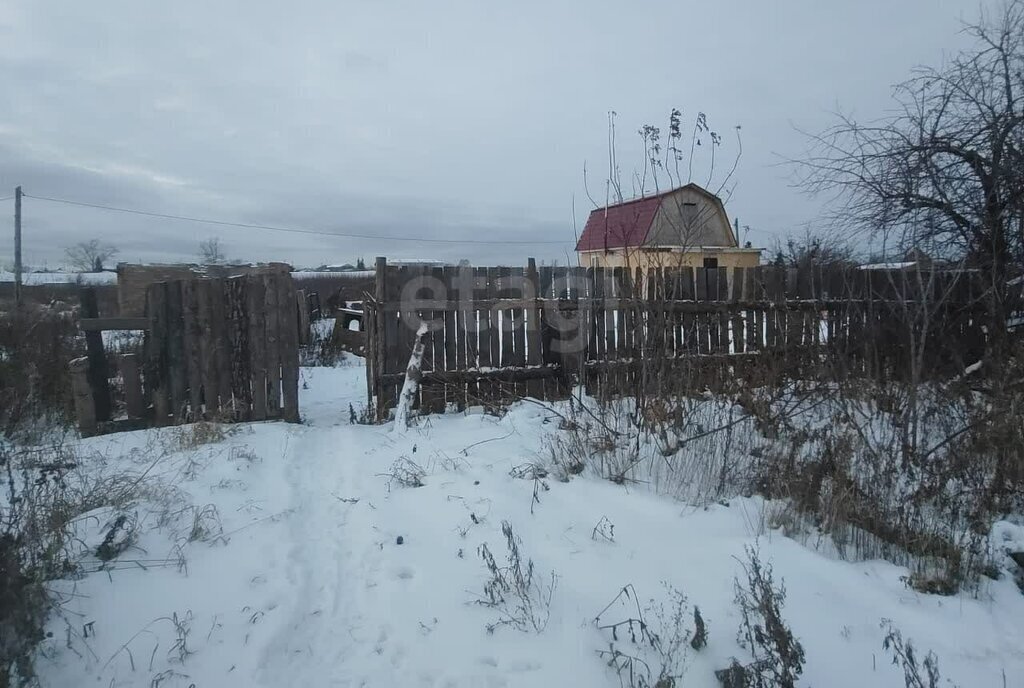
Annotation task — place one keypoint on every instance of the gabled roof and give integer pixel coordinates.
(628, 224)
(620, 226)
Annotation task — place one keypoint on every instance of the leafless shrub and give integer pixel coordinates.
(916, 673)
(655, 656)
(776, 656)
(206, 524)
(406, 473)
(604, 529)
(522, 598)
(49, 493)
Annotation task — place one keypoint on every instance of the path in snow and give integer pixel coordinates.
(311, 589)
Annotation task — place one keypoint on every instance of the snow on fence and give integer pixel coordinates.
(215, 349)
(497, 333)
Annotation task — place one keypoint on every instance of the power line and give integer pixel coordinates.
(7, 198)
(291, 230)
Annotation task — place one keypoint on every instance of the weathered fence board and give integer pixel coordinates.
(501, 333)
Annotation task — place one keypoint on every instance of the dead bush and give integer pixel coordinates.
(648, 647)
(916, 673)
(522, 598)
(776, 656)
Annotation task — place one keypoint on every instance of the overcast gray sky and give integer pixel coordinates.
(450, 119)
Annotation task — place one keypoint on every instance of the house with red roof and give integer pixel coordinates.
(687, 226)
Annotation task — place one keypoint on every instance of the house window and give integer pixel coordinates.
(711, 262)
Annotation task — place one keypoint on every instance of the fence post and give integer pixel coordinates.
(97, 359)
(85, 408)
(380, 366)
(303, 306)
(129, 365)
(534, 388)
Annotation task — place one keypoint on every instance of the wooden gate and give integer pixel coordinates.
(224, 350)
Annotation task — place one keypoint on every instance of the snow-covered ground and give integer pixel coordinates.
(38, 278)
(301, 562)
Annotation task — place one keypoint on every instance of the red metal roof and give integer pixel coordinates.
(620, 226)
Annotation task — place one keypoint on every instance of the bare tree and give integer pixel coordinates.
(812, 249)
(90, 256)
(945, 172)
(211, 252)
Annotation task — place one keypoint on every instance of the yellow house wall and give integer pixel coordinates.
(640, 258)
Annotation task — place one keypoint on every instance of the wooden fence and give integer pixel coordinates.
(503, 332)
(215, 349)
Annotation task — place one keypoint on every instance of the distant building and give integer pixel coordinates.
(687, 226)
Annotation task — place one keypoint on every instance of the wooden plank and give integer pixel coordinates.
(794, 322)
(493, 278)
(599, 346)
(98, 373)
(238, 335)
(133, 401)
(465, 324)
(288, 337)
(392, 345)
(220, 342)
(81, 389)
(534, 357)
(545, 277)
(177, 364)
(272, 344)
(714, 330)
(468, 343)
(208, 370)
(370, 365)
(450, 337)
(382, 393)
(404, 291)
(483, 353)
(302, 306)
(505, 291)
(112, 324)
(739, 337)
(255, 298)
(156, 353)
(517, 287)
(723, 319)
(434, 398)
(688, 323)
(193, 359)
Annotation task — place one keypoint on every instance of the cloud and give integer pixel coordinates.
(459, 120)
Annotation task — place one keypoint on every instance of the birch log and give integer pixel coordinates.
(413, 373)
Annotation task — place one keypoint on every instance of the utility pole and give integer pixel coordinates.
(17, 246)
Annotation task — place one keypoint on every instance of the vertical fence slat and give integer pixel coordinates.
(177, 364)
(156, 352)
(255, 300)
(272, 344)
(133, 403)
(193, 360)
(221, 344)
(288, 342)
(98, 372)
(534, 388)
